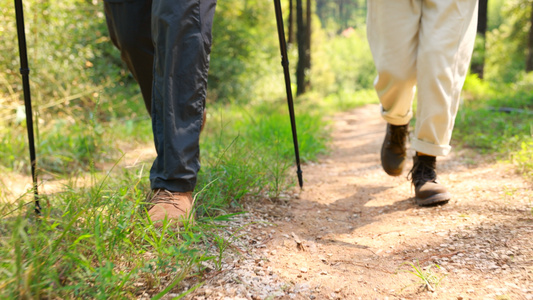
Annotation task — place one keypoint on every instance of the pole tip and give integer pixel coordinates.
(300, 178)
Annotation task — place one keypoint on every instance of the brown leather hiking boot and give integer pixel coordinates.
(393, 149)
(428, 191)
(174, 206)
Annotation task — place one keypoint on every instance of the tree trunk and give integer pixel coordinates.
(321, 10)
(291, 23)
(341, 15)
(478, 64)
(529, 60)
(304, 46)
(300, 35)
(308, 31)
(482, 17)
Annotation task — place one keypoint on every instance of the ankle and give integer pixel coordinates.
(398, 126)
(424, 154)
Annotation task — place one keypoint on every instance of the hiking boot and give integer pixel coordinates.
(393, 149)
(174, 206)
(428, 191)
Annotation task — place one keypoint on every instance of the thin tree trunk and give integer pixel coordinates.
(300, 35)
(321, 10)
(482, 17)
(478, 67)
(304, 46)
(291, 23)
(341, 12)
(529, 61)
(308, 41)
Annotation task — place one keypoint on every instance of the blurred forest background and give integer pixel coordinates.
(81, 89)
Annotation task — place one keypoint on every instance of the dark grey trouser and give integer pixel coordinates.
(181, 34)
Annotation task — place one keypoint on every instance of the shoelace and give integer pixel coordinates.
(167, 197)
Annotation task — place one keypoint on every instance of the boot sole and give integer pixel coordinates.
(399, 160)
(394, 173)
(438, 199)
(391, 171)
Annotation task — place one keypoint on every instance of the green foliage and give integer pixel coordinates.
(76, 81)
(64, 39)
(507, 44)
(343, 63)
(12, 147)
(491, 131)
(522, 158)
(498, 119)
(476, 88)
(494, 14)
(60, 149)
(245, 59)
(343, 72)
(70, 145)
(478, 57)
(340, 15)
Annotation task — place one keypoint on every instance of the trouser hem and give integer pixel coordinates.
(173, 186)
(428, 148)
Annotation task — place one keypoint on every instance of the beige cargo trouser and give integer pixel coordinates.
(427, 44)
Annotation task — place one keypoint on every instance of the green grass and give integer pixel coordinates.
(69, 144)
(497, 119)
(94, 240)
(97, 245)
(249, 152)
(427, 279)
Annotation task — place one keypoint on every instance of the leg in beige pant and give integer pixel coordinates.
(427, 44)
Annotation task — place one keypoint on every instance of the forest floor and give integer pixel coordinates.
(353, 232)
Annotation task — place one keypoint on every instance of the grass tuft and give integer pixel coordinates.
(427, 279)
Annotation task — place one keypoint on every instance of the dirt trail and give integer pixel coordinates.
(352, 231)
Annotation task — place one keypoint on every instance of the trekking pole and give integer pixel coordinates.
(25, 71)
(285, 64)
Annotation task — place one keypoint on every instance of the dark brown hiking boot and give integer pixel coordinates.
(393, 149)
(428, 191)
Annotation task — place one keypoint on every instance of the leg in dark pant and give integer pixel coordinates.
(166, 46)
(181, 32)
(129, 25)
